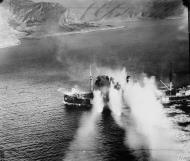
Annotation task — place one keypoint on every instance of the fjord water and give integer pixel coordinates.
(34, 125)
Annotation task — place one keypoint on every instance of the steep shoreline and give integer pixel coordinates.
(48, 17)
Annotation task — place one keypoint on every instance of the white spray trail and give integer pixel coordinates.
(8, 36)
(116, 104)
(150, 127)
(98, 103)
(115, 100)
(184, 24)
(84, 142)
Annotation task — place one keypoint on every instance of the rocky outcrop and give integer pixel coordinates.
(49, 16)
(125, 9)
(45, 17)
(30, 13)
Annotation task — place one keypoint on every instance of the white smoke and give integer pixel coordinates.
(73, 90)
(84, 142)
(8, 36)
(148, 127)
(150, 122)
(116, 104)
(115, 100)
(184, 24)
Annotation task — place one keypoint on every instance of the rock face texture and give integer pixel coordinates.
(36, 13)
(29, 16)
(125, 9)
(33, 16)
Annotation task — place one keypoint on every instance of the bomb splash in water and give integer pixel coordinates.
(116, 104)
(84, 142)
(150, 122)
(149, 128)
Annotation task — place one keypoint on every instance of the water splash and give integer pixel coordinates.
(98, 103)
(184, 24)
(84, 143)
(150, 123)
(115, 100)
(116, 104)
(8, 36)
(148, 128)
(89, 120)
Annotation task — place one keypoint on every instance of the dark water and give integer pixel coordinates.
(34, 124)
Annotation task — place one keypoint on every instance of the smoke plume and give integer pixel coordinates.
(84, 142)
(8, 36)
(149, 122)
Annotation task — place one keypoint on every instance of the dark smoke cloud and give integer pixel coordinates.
(186, 3)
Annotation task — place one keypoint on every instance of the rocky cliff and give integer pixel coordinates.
(30, 16)
(125, 9)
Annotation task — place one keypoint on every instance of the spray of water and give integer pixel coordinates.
(148, 127)
(115, 100)
(184, 24)
(8, 36)
(149, 122)
(84, 142)
(116, 104)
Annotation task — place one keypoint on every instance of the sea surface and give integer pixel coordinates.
(34, 124)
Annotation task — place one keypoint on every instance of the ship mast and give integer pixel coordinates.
(91, 80)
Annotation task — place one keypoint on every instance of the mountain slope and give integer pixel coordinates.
(36, 13)
(50, 17)
(99, 10)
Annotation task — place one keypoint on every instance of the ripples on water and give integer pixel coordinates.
(35, 126)
(180, 116)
